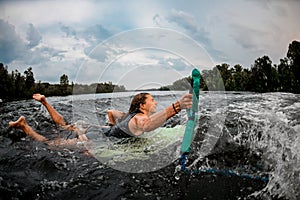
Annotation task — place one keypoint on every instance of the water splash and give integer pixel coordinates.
(266, 125)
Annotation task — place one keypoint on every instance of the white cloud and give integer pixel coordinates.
(47, 12)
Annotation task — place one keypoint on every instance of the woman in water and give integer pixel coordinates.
(141, 117)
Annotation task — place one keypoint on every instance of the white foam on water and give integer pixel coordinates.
(279, 142)
(266, 123)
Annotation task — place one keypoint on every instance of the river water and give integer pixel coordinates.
(248, 133)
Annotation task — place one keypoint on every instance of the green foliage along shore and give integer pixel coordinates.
(263, 76)
(15, 86)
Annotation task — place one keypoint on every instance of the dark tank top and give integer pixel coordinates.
(121, 129)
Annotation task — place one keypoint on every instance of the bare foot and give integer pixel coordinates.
(21, 122)
(39, 97)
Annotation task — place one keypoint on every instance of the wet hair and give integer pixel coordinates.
(135, 104)
(136, 101)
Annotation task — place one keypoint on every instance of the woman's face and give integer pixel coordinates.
(150, 104)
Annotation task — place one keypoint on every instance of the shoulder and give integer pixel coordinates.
(139, 120)
(137, 123)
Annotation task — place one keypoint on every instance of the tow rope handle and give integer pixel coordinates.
(191, 113)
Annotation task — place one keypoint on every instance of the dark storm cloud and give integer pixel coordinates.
(11, 45)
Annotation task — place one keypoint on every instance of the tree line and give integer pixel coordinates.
(17, 86)
(263, 76)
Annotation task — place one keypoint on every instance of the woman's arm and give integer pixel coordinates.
(143, 123)
(114, 115)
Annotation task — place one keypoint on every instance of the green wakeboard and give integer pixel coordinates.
(139, 148)
(191, 113)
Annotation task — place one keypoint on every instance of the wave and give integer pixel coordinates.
(251, 133)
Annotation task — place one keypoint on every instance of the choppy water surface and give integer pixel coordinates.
(255, 134)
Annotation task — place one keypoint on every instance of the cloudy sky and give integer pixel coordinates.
(139, 43)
